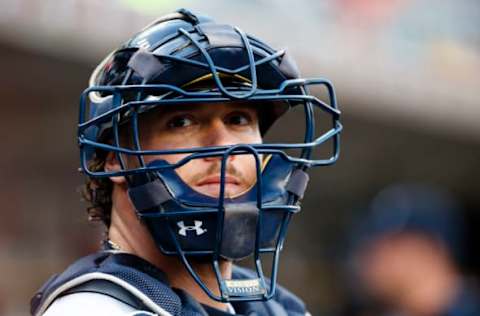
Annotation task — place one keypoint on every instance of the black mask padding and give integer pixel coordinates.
(239, 226)
(195, 225)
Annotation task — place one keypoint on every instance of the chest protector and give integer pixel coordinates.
(139, 284)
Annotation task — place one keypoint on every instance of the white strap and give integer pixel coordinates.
(91, 304)
(102, 276)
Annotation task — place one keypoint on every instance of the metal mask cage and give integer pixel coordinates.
(89, 126)
(126, 114)
(256, 288)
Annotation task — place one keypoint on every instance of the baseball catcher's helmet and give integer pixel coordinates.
(184, 58)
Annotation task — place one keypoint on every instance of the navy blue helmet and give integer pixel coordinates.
(181, 59)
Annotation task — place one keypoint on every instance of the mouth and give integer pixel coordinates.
(216, 180)
(211, 185)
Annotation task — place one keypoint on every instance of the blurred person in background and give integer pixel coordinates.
(171, 139)
(405, 259)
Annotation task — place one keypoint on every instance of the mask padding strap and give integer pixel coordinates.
(297, 183)
(220, 35)
(288, 67)
(146, 65)
(149, 195)
(188, 16)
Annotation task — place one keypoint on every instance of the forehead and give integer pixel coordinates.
(204, 109)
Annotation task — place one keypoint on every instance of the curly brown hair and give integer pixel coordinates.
(97, 192)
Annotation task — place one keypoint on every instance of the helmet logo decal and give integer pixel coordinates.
(197, 227)
(245, 287)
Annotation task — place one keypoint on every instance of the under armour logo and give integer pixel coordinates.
(197, 227)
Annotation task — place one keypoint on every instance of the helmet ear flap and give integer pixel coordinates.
(146, 65)
(97, 106)
(113, 69)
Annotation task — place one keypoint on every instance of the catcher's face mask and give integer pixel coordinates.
(247, 186)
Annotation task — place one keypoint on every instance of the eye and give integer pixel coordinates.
(181, 121)
(239, 118)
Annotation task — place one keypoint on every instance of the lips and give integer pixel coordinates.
(217, 180)
(211, 186)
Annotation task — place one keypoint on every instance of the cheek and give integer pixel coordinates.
(171, 159)
(248, 166)
(174, 158)
(188, 170)
(162, 143)
(245, 168)
(244, 164)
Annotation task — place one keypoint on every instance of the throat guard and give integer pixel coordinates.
(188, 59)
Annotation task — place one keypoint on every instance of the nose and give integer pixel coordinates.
(218, 134)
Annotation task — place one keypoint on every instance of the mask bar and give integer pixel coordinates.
(136, 136)
(200, 64)
(116, 135)
(214, 70)
(310, 126)
(89, 145)
(194, 97)
(239, 289)
(203, 152)
(228, 288)
(246, 289)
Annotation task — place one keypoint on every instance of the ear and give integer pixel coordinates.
(111, 165)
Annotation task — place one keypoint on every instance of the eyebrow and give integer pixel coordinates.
(203, 106)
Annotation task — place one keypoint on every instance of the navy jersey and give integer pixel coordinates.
(141, 286)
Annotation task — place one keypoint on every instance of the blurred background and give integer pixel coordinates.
(407, 74)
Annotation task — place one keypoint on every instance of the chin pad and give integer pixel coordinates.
(239, 225)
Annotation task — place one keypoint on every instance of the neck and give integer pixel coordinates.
(131, 235)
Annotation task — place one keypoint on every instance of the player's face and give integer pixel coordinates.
(204, 125)
(392, 266)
